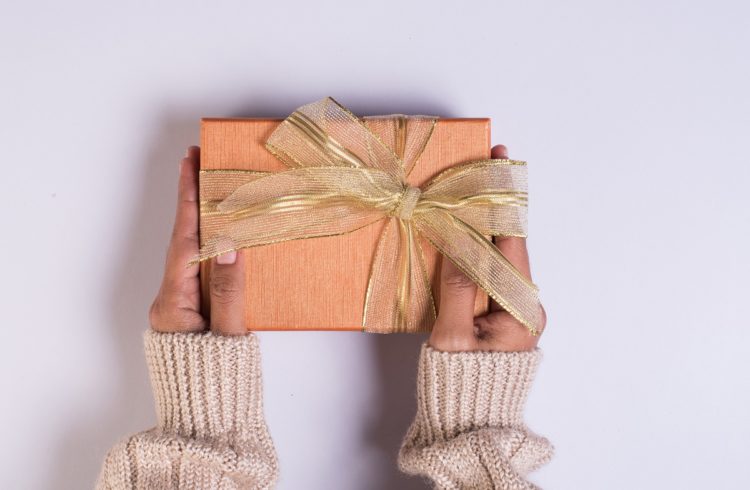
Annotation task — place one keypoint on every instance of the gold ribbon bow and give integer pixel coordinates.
(343, 177)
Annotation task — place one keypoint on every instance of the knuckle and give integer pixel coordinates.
(154, 314)
(457, 281)
(183, 238)
(485, 331)
(501, 331)
(498, 326)
(543, 325)
(224, 289)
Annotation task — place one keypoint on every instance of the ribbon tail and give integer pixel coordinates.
(253, 232)
(399, 297)
(296, 204)
(484, 264)
(488, 195)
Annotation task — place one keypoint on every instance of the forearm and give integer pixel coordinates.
(211, 432)
(469, 431)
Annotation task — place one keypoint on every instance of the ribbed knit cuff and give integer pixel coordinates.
(206, 385)
(460, 391)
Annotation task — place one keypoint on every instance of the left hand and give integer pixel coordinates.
(177, 306)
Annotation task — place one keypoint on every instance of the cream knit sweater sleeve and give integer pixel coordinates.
(469, 431)
(211, 433)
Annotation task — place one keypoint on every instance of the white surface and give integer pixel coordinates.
(634, 117)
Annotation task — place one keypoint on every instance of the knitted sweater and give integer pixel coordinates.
(211, 433)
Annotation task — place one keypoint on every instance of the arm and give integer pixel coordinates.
(210, 431)
(473, 378)
(207, 384)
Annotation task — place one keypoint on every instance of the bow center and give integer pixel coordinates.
(407, 203)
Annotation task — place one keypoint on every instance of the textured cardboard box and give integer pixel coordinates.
(320, 283)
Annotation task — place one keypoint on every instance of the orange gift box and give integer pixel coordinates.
(321, 283)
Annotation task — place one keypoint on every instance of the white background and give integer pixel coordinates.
(634, 116)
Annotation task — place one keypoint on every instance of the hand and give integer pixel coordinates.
(177, 307)
(456, 328)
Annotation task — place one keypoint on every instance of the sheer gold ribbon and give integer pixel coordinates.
(343, 177)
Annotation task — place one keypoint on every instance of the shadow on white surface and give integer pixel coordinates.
(271, 105)
(130, 407)
(395, 381)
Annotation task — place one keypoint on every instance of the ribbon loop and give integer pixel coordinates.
(344, 177)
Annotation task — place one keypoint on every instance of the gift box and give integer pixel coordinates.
(321, 282)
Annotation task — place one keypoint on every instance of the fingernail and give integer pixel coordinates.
(227, 258)
(187, 152)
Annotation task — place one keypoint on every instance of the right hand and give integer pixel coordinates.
(177, 307)
(456, 328)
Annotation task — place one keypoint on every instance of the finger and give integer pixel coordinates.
(227, 294)
(184, 243)
(194, 152)
(186, 219)
(457, 296)
(499, 151)
(513, 248)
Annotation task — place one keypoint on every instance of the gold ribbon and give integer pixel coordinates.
(343, 177)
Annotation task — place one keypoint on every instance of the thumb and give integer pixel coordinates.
(227, 294)
(457, 297)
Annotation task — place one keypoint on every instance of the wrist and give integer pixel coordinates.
(497, 381)
(517, 339)
(205, 384)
